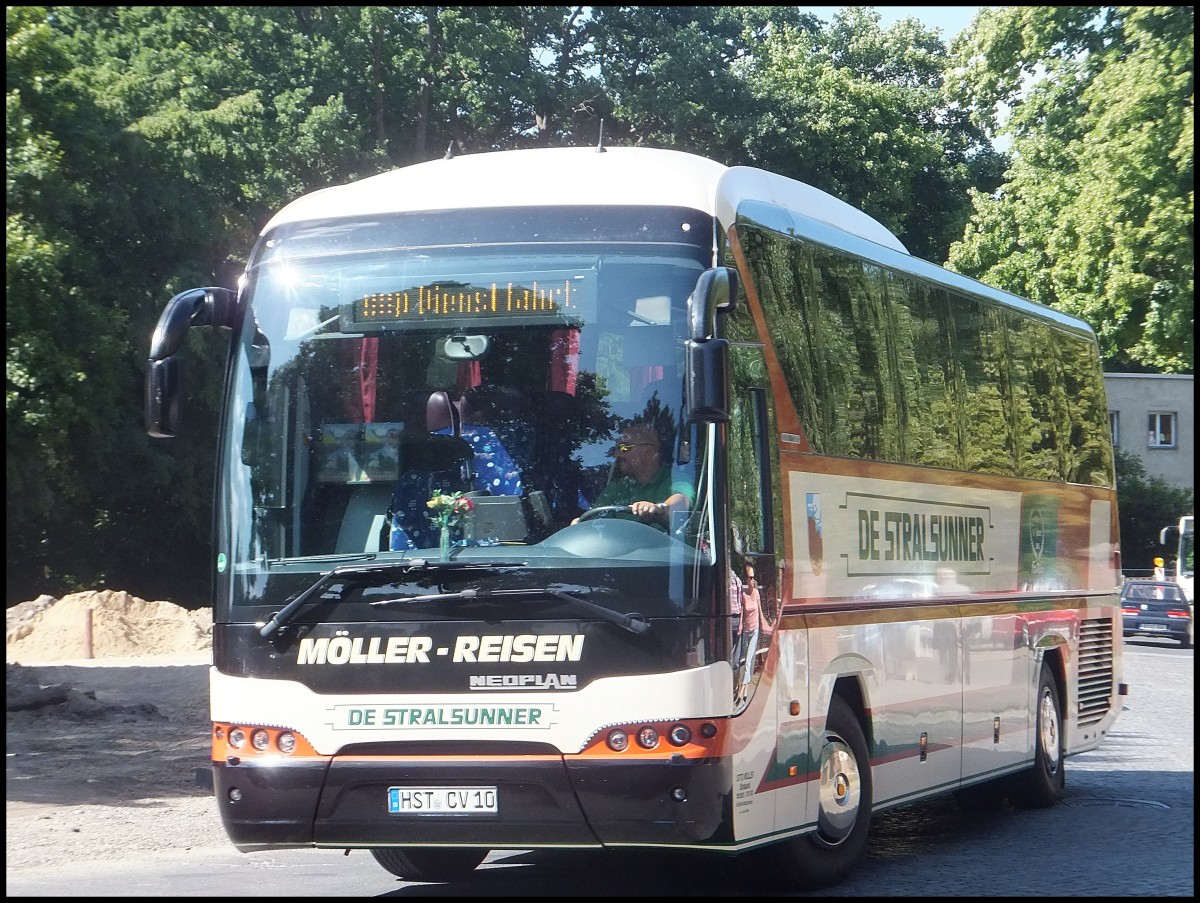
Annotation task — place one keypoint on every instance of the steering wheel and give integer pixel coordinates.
(603, 511)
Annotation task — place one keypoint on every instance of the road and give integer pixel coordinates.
(1125, 827)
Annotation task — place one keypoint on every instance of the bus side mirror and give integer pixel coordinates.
(707, 386)
(715, 291)
(213, 306)
(164, 387)
(706, 359)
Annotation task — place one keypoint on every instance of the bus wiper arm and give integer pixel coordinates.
(359, 573)
(631, 621)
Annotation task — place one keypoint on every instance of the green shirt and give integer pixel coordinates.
(626, 490)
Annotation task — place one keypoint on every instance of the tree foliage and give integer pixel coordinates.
(1096, 213)
(863, 113)
(147, 146)
(1145, 504)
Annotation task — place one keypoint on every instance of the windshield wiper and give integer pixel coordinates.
(308, 560)
(360, 573)
(631, 621)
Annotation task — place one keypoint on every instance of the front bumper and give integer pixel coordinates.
(544, 801)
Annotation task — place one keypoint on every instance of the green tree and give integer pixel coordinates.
(669, 75)
(862, 112)
(136, 167)
(1145, 504)
(147, 147)
(64, 342)
(1096, 213)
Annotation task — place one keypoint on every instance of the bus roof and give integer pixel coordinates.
(631, 176)
(618, 176)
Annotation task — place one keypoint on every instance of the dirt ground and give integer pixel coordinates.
(106, 727)
(101, 759)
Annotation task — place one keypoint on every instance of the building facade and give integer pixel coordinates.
(1152, 415)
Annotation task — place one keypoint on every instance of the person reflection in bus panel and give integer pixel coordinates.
(645, 482)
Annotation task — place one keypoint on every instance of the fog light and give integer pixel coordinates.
(235, 795)
(708, 730)
(618, 740)
(647, 738)
(237, 738)
(679, 795)
(680, 734)
(260, 740)
(287, 742)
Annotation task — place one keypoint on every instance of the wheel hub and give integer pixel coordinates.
(840, 790)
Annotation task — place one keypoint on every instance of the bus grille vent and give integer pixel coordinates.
(1095, 670)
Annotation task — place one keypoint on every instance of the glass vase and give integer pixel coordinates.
(444, 542)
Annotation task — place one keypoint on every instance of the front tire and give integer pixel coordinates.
(428, 863)
(1039, 786)
(825, 857)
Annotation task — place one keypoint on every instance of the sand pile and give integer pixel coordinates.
(49, 629)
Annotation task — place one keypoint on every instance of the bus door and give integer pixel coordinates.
(754, 585)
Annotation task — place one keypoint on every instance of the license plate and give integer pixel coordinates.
(441, 800)
(1152, 627)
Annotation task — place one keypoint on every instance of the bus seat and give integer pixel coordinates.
(482, 412)
(441, 414)
(429, 464)
(362, 523)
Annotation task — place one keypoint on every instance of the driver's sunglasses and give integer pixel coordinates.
(626, 447)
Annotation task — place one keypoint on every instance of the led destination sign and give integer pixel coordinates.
(531, 299)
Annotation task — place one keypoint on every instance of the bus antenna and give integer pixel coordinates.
(600, 148)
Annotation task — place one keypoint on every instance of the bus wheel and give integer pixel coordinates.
(428, 863)
(1039, 786)
(825, 856)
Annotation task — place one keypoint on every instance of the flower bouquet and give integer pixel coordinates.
(447, 511)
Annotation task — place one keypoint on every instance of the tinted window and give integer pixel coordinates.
(886, 366)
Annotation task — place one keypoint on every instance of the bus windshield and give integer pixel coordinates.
(528, 392)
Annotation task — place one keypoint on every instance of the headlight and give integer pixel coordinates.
(618, 740)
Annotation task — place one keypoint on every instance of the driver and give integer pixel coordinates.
(645, 482)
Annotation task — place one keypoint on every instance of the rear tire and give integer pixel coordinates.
(824, 857)
(428, 863)
(1039, 786)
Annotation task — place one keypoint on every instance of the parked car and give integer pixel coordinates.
(1156, 608)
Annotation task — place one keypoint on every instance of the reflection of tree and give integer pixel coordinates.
(1093, 462)
(933, 434)
(815, 349)
(661, 418)
(886, 366)
(560, 427)
(543, 430)
(745, 492)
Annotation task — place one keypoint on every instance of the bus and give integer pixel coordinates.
(890, 570)
(1181, 539)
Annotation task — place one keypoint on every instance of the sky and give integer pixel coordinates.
(950, 19)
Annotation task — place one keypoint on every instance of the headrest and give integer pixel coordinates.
(441, 414)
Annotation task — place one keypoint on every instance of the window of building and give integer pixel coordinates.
(1114, 427)
(1162, 430)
